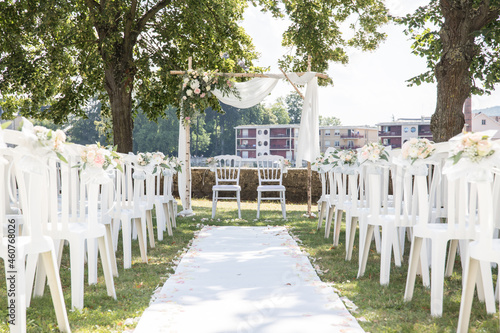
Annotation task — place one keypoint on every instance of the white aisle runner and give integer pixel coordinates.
(246, 279)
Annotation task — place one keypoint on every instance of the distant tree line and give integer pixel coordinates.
(212, 133)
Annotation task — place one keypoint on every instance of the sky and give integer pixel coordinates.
(371, 88)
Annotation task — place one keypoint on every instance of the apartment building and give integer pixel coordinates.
(395, 133)
(257, 140)
(346, 137)
(486, 119)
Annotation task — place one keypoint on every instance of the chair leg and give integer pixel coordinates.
(149, 221)
(467, 295)
(366, 249)
(415, 251)
(106, 265)
(352, 235)
(141, 235)
(174, 215)
(450, 263)
(258, 203)
(321, 213)
(329, 216)
(112, 256)
(160, 221)
(49, 262)
(214, 203)
(77, 256)
(283, 204)
(127, 243)
(437, 278)
(31, 267)
(336, 228)
(92, 261)
(239, 205)
(388, 235)
(167, 211)
(485, 287)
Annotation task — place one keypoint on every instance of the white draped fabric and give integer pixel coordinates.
(252, 92)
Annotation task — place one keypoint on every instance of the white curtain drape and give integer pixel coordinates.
(181, 177)
(252, 92)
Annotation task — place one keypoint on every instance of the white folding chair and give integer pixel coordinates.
(227, 179)
(270, 172)
(32, 182)
(483, 251)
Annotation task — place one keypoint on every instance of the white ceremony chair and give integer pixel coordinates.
(270, 173)
(74, 217)
(389, 218)
(128, 207)
(483, 251)
(461, 224)
(325, 191)
(31, 182)
(227, 179)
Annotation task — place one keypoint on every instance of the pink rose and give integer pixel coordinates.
(202, 95)
(99, 160)
(197, 91)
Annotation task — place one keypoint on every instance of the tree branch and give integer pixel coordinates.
(129, 20)
(141, 23)
(485, 16)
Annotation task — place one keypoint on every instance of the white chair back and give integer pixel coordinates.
(270, 169)
(227, 169)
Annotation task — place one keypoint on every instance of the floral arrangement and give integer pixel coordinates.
(417, 149)
(197, 87)
(373, 152)
(287, 163)
(326, 159)
(171, 163)
(474, 146)
(211, 161)
(348, 157)
(42, 137)
(96, 156)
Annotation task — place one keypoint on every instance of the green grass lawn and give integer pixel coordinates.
(379, 309)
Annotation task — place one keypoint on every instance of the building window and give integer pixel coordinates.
(260, 132)
(337, 133)
(336, 143)
(483, 122)
(260, 143)
(413, 129)
(350, 144)
(386, 142)
(265, 143)
(327, 143)
(327, 132)
(245, 154)
(406, 129)
(265, 132)
(245, 133)
(288, 143)
(259, 154)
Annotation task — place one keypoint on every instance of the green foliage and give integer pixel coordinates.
(294, 105)
(279, 110)
(424, 27)
(163, 135)
(329, 121)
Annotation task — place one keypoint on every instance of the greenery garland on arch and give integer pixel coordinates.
(197, 91)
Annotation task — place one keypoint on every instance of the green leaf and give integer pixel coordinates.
(61, 157)
(457, 157)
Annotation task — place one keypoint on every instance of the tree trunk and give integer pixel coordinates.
(452, 71)
(119, 85)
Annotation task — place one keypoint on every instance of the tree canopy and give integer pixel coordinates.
(62, 54)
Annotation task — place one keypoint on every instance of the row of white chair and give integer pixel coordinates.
(87, 216)
(434, 210)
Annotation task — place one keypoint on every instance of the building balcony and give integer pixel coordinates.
(280, 147)
(240, 136)
(246, 146)
(381, 133)
(279, 135)
(352, 136)
(348, 147)
(425, 133)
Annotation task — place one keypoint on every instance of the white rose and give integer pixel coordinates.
(195, 84)
(189, 92)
